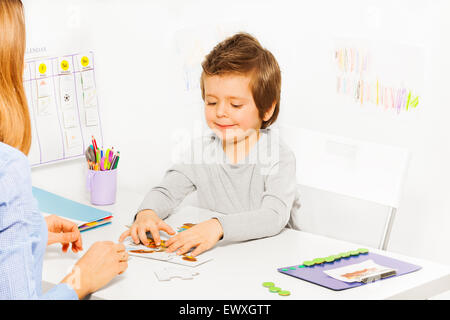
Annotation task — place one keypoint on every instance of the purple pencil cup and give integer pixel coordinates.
(102, 185)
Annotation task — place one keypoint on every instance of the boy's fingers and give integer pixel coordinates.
(155, 234)
(174, 246)
(143, 235)
(200, 249)
(172, 240)
(134, 235)
(124, 235)
(185, 248)
(168, 229)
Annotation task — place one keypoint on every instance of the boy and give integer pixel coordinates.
(240, 85)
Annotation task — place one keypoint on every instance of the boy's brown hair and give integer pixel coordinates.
(243, 54)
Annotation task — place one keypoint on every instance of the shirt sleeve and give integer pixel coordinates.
(61, 291)
(276, 203)
(175, 186)
(18, 242)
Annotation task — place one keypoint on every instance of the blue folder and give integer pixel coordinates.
(52, 203)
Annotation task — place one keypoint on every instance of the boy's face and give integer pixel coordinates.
(230, 110)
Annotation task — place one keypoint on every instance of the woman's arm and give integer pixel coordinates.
(22, 231)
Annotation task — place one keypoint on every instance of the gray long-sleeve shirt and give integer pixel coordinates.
(255, 196)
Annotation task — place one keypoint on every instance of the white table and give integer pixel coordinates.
(237, 270)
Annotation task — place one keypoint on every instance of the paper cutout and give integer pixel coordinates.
(66, 84)
(91, 117)
(152, 251)
(87, 79)
(73, 138)
(44, 106)
(44, 89)
(168, 273)
(70, 119)
(89, 98)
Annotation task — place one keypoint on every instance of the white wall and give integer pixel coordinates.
(143, 97)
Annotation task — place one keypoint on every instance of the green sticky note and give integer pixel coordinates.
(363, 250)
(345, 254)
(268, 284)
(354, 252)
(329, 259)
(308, 263)
(337, 256)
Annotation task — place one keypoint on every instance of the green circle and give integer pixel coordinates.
(308, 263)
(354, 252)
(292, 268)
(363, 250)
(284, 293)
(274, 289)
(284, 269)
(329, 259)
(268, 284)
(319, 260)
(302, 266)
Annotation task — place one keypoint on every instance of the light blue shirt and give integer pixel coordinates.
(23, 233)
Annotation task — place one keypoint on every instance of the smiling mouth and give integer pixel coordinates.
(224, 126)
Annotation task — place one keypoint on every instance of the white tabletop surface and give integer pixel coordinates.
(237, 270)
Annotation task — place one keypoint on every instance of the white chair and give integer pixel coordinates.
(350, 168)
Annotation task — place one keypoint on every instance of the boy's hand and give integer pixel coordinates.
(203, 236)
(146, 220)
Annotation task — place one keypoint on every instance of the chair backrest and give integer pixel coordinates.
(349, 167)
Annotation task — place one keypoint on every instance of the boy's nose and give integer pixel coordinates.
(220, 110)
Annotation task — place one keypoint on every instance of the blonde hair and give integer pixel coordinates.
(243, 54)
(15, 125)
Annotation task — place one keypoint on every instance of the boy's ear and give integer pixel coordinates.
(269, 112)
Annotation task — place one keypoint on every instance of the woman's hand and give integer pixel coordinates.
(203, 236)
(101, 263)
(146, 220)
(65, 232)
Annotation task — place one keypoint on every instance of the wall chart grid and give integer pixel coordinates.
(63, 104)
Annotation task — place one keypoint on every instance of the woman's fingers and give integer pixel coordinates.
(122, 267)
(65, 246)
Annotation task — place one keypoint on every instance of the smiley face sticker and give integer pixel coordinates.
(42, 68)
(64, 65)
(84, 61)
